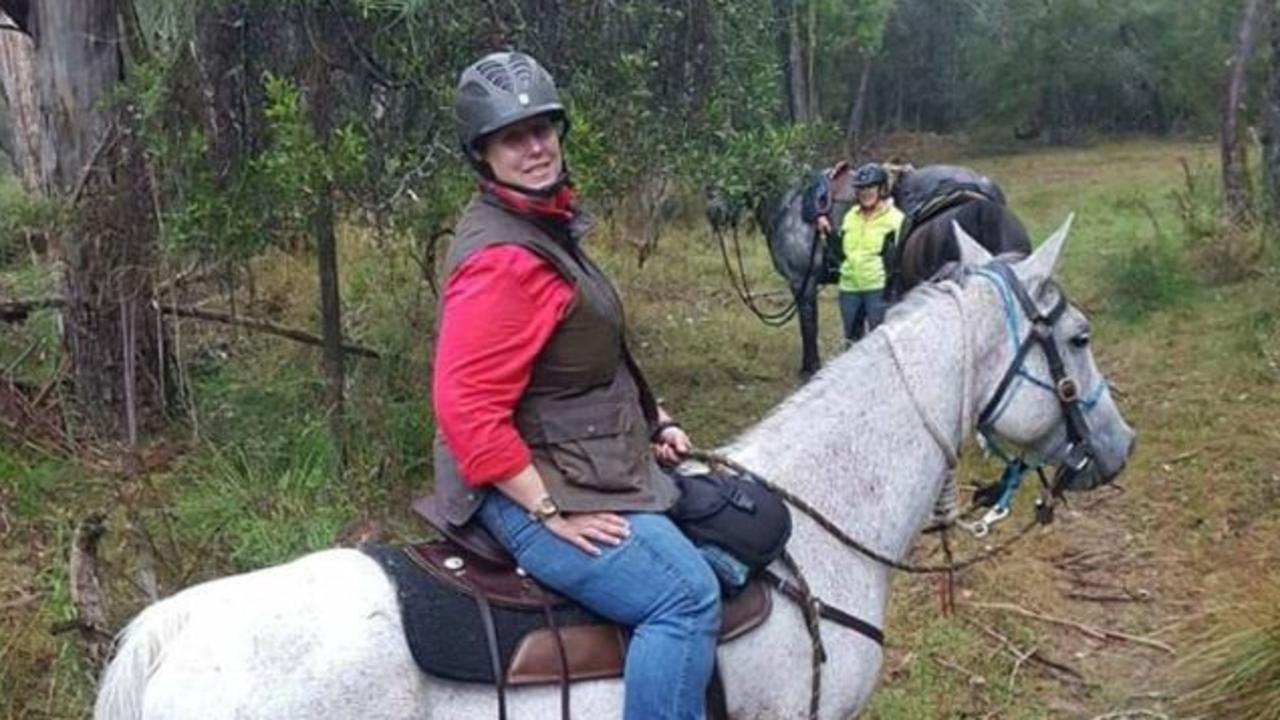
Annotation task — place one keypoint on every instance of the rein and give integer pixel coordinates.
(742, 287)
(812, 607)
(843, 537)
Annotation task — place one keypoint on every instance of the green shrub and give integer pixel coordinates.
(24, 221)
(1146, 278)
(26, 485)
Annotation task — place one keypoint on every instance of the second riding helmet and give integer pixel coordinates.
(500, 89)
(870, 174)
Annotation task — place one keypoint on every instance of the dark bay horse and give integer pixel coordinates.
(931, 197)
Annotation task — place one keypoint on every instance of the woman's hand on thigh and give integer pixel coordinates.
(584, 530)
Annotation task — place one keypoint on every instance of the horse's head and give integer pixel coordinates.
(1040, 387)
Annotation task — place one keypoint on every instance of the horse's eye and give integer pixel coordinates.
(1081, 340)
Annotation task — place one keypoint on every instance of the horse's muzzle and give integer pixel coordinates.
(1098, 471)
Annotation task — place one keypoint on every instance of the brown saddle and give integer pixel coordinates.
(474, 564)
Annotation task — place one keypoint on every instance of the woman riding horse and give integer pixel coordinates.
(545, 421)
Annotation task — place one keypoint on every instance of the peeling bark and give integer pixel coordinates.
(91, 156)
(86, 588)
(18, 83)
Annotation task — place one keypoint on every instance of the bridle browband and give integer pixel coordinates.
(1079, 453)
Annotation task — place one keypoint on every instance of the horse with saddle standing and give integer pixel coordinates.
(933, 198)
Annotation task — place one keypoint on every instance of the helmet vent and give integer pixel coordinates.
(497, 73)
(521, 69)
(475, 90)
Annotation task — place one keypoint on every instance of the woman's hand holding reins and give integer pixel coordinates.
(671, 445)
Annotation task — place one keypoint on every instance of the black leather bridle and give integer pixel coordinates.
(1079, 456)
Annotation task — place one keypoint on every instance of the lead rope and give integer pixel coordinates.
(950, 448)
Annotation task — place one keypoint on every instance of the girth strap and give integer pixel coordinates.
(717, 700)
(564, 655)
(812, 608)
(495, 657)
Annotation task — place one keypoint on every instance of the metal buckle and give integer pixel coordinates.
(1068, 390)
(1044, 511)
(995, 515)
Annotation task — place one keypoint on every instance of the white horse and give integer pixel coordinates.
(867, 442)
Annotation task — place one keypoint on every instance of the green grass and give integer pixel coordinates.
(952, 674)
(263, 510)
(27, 483)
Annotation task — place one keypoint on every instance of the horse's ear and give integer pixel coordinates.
(971, 253)
(1041, 264)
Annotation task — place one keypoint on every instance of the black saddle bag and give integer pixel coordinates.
(735, 513)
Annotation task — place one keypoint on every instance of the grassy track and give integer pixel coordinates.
(245, 482)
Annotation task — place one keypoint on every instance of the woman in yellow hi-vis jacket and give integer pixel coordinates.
(867, 231)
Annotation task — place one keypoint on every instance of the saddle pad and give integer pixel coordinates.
(446, 635)
(443, 626)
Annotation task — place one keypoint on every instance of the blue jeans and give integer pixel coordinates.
(655, 581)
(857, 308)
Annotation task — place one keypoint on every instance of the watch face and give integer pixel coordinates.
(546, 507)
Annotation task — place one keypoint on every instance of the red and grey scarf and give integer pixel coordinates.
(558, 205)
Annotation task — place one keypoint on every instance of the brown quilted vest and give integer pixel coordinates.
(587, 412)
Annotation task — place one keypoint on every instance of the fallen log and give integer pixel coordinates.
(20, 310)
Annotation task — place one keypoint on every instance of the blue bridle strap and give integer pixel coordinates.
(1014, 297)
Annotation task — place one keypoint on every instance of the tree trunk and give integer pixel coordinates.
(1271, 129)
(853, 129)
(797, 94)
(1235, 168)
(321, 102)
(18, 83)
(810, 84)
(91, 156)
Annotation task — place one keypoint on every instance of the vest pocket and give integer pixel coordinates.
(597, 447)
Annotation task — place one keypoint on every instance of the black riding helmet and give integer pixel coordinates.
(870, 174)
(500, 89)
